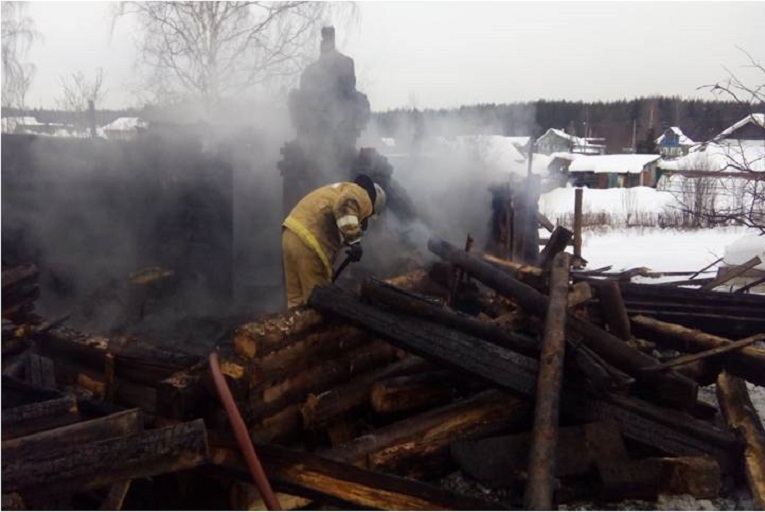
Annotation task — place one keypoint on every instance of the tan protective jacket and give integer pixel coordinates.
(328, 217)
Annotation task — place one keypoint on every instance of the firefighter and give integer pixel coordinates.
(316, 227)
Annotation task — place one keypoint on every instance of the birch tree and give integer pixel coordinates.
(18, 34)
(212, 50)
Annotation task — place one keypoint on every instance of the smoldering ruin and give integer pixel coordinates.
(464, 364)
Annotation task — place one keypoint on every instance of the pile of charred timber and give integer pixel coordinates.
(558, 385)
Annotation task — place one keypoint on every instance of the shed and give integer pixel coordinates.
(614, 171)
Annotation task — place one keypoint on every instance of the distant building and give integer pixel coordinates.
(558, 141)
(124, 128)
(30, 125)
(674, 143)
(739, 148)
(613, 171)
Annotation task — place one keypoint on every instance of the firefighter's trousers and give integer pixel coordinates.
(303, 270)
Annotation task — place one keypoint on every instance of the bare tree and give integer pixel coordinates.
(208, 50)
(80, 95)
(18, 34)
(745, 158)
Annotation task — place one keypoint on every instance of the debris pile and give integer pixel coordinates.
(544, 384)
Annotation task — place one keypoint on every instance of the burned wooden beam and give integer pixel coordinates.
(747, 362)
(518, 374)
(116, 425)
(539, 488)
(432, 430)
(415, 391)
(669, 387)
(134, 359)
(272, 395)
(406, 302)
(432, 340)
(30, 418)
(319, 409)
(318, 477)
(81, 467)
(742, 417)
(559, 240)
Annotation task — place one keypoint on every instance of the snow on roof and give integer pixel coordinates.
(388, 142)
(126, 124)
(715, 157)
(744, 249)
(757, 118)
(9, 124)
(683, 139)
(628, 163)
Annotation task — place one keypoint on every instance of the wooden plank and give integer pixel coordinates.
(99, 464)
(116, 425)
(729, 274)
(708, 353)
(647, 478)
(116, 496)
(747, 362)
(26, 419)
(317, 477)
(417, 391)
(319, 409)
(742, 417)
(614, 311)
(539, 487)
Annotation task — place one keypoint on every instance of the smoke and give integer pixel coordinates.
(447, 165)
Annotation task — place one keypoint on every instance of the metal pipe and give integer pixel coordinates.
(242, 437)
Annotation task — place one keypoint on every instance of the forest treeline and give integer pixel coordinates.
(621, 123)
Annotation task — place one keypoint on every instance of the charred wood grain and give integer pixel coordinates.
(319, 409)
(614, 311)
(116, 425)
(415, 391)
(98, 464)
(669, 387)
(318, 477)
(432, 430)
(273, 395)
(406, 302)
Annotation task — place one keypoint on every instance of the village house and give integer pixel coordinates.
(613, 171)
(674, 143)
(740, 147)
(558, 141)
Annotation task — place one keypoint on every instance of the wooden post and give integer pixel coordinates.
(741, 416)
(540, 485)
(578, 222)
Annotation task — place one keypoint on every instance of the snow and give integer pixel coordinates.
(756, 118)
(745, 248)
(126, 123)
(617, 202)
(683, 139)
(723, 156)
(628, 163)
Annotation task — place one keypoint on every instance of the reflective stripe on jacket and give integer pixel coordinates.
(329, 216)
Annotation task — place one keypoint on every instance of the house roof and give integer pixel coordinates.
(756, 118)
(628, 163)
(683, 139)
(716, 157)
(126, 123)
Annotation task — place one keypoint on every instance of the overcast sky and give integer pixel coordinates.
(446, 54)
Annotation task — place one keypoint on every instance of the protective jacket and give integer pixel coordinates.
(329, 217)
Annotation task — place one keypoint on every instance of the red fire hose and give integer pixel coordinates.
(242, 437)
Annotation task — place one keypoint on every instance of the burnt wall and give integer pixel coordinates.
(91, 212)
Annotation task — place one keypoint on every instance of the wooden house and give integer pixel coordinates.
(614, 171)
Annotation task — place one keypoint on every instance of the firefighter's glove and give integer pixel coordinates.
(354, 252)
